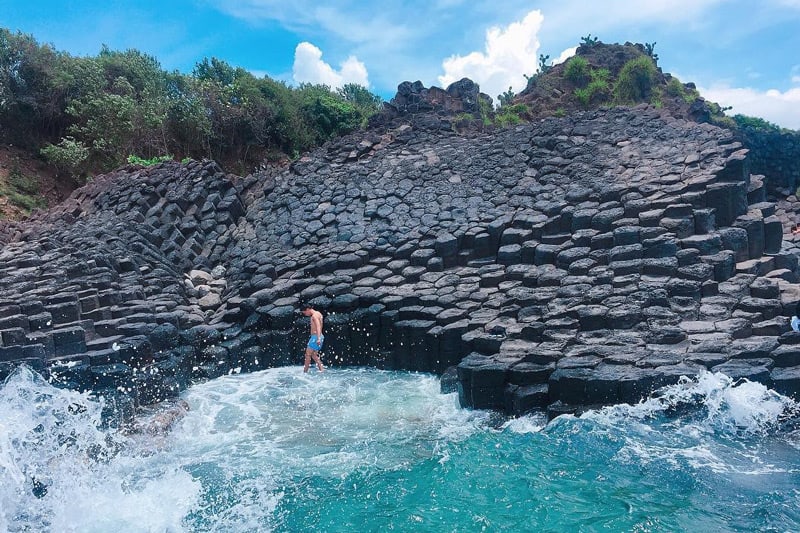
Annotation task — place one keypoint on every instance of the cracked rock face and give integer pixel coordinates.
(562, 263)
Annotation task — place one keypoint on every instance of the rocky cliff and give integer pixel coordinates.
(562, 263)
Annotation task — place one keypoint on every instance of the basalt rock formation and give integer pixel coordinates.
(571, 261)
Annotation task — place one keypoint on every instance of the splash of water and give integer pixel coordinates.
(713, 402)
(354, 449)
(61, 471)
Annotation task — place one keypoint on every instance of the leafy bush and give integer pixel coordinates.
(675, 88)
(68, 156)
(756, 123)
(136, 160)
(577, 71)
(86, 114)
(635, 80)
(560, 112)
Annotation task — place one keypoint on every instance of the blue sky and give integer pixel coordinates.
(740, 53)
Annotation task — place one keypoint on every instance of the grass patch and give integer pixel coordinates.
(510, 115)
(677, 89)
(635, 81)
(22, 191)
(22, 183)
(577, 71)
(597, 89)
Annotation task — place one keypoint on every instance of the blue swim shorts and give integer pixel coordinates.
(315, 342)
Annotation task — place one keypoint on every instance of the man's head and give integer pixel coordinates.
(306, 309)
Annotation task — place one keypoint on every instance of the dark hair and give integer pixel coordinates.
(305, 306)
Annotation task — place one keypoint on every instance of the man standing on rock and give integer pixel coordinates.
(316, 339)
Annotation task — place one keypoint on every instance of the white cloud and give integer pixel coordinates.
(310, 68)
(566, 54)
(782, 108)
(794, 74)
(509, 53)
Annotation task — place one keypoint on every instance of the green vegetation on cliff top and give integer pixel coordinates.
(88, 114)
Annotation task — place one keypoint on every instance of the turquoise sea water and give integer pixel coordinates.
(369, 450)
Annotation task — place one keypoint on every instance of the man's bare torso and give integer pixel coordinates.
(316, 323)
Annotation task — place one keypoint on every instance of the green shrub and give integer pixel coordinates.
(601, 75)
(756, 123)
(635, 80)
(136, 160)
(596, 90)
(583, 95)
(723, 121)
(560, 112)
(657, 97)
(577, 71)
(677, 89)
(510, 115)
(68, 156)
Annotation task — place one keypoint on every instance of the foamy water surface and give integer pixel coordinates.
(371, 450)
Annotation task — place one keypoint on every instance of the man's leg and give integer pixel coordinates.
(315, 356)
(308, 360)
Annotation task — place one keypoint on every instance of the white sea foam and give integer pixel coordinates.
(62, 472)
(696, 418)
(717, 402)
(532, 423)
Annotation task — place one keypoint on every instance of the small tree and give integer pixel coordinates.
(365, 102)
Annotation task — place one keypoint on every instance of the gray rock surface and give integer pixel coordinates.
(571, 261)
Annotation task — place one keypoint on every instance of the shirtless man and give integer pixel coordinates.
(316, 339)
